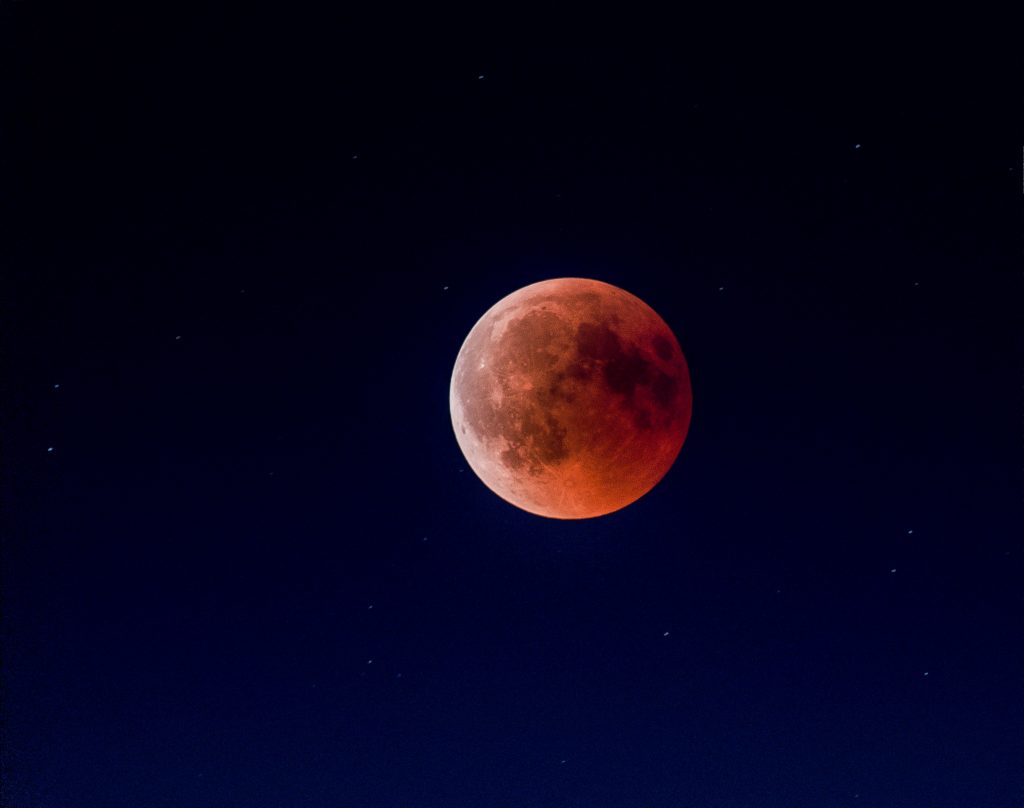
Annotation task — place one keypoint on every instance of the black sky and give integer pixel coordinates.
(244, 562)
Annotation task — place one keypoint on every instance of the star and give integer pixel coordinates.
(49, 448)
(56, 387)
(856, 145)
(665, 634)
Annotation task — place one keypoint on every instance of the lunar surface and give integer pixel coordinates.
(570, 398)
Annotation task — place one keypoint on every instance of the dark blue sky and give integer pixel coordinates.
(244, 562)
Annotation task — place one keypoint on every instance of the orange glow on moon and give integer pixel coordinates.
(570, 398)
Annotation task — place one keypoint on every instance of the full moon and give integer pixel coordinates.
(570, 398)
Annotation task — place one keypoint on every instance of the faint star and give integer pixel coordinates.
(910, 531)
(178, 337)
(370, 606)
(369, 662)
(445, 288)
(480, 77)
(856, 145)
(893, 570)
(665, 634)
(721, 288)
(49, 448)
(56, 387)
(926, 673)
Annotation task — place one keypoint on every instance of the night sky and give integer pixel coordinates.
(244, 560)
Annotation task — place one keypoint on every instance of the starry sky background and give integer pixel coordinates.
(244, 562)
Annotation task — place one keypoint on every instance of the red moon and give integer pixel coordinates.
(570, 398)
